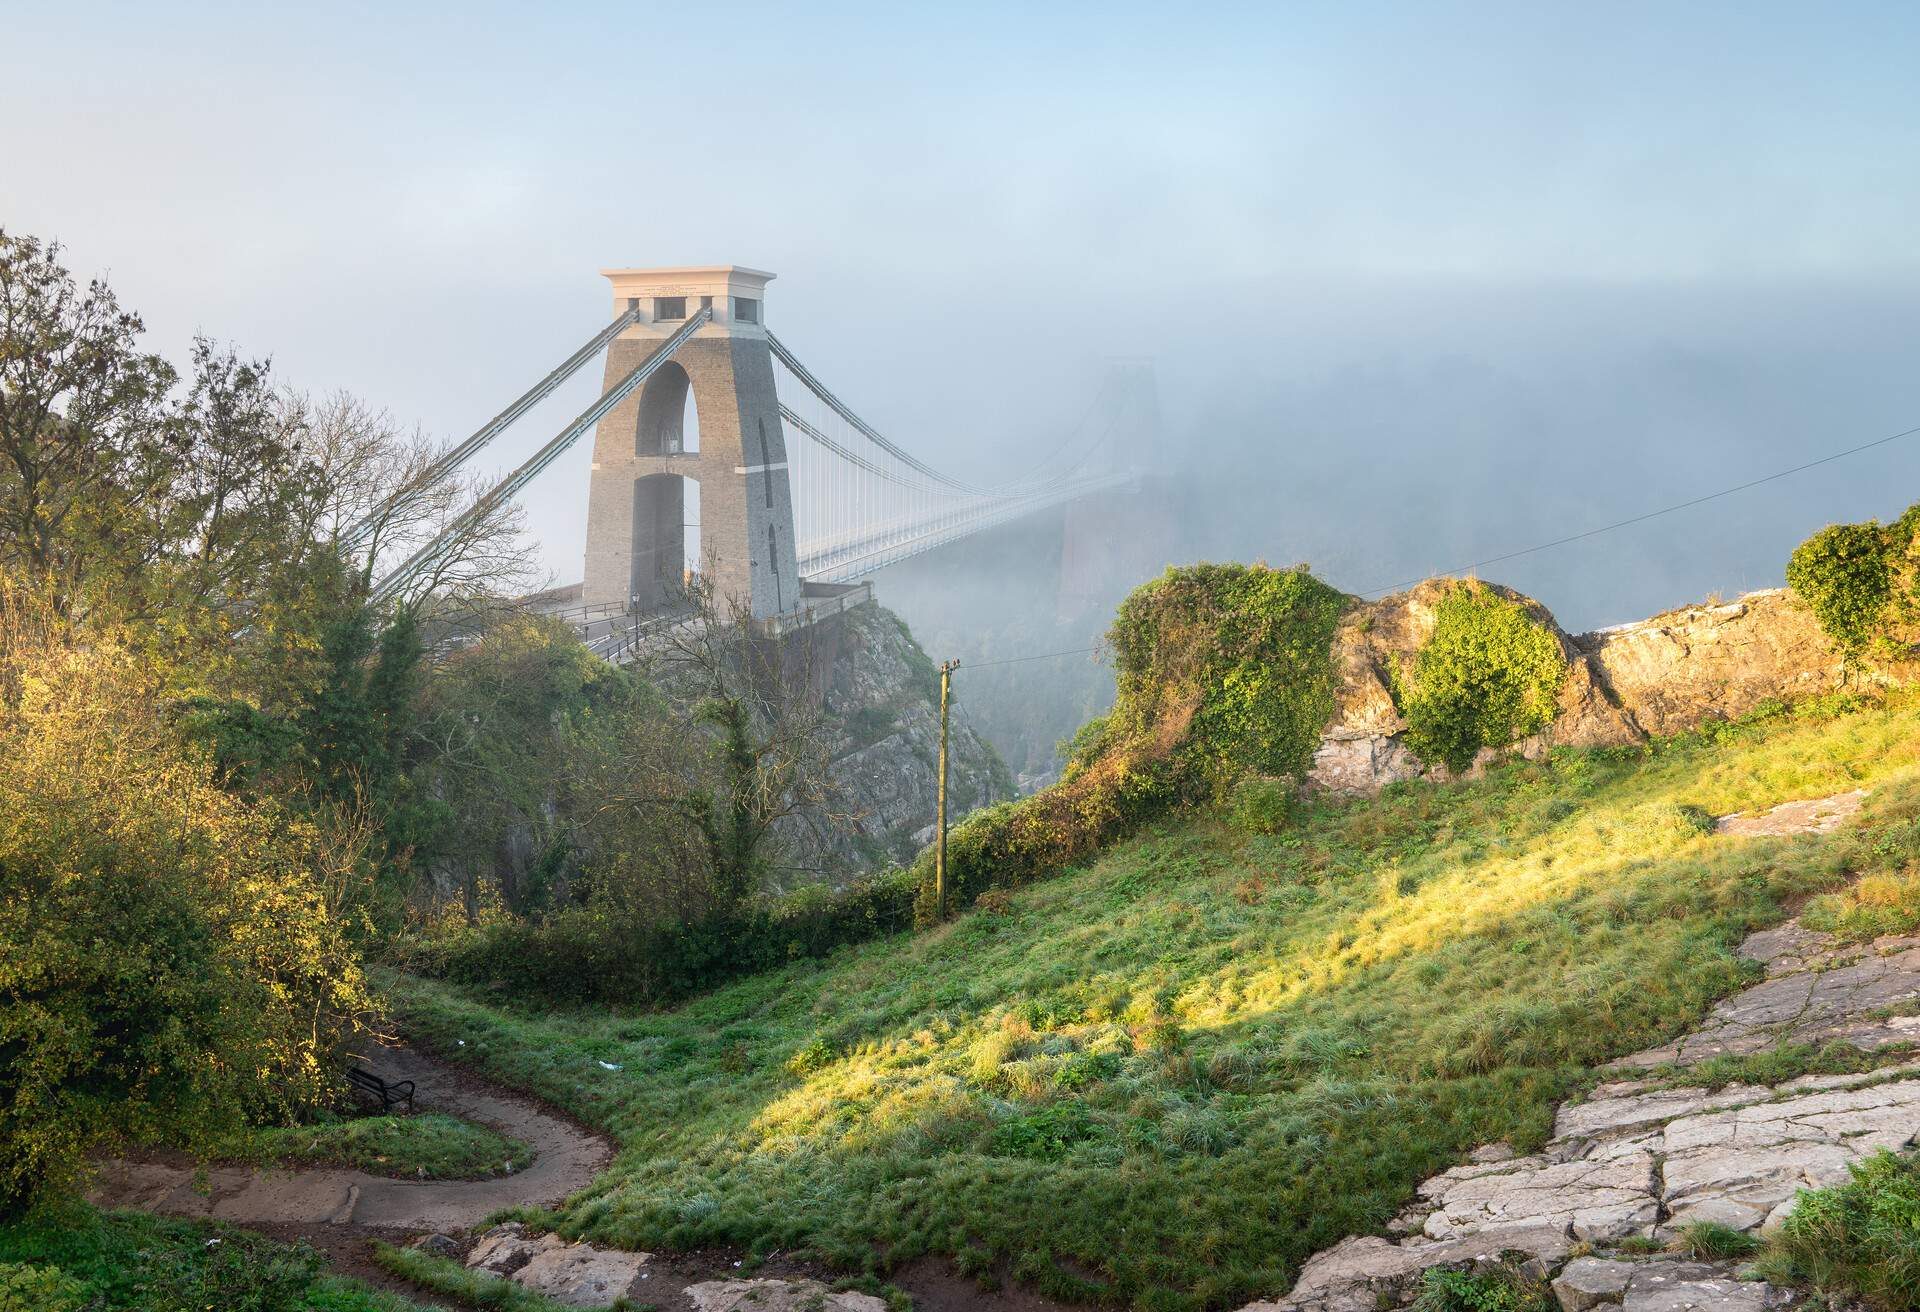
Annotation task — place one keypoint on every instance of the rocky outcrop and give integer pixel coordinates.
(1642, 1158)
(1717, 661)
(1661, 676)
(570, 1274)
(773, 1295)
(883, 696)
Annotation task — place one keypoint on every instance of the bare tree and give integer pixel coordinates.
(388, 488)
(773, 746)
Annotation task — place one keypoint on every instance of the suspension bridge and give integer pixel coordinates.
(704, 410)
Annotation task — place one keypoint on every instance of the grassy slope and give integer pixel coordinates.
(427, 1147)
(128, 1262)
(1172, 1076)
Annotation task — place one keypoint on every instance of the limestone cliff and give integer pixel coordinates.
(1660, 676)
(883, 695)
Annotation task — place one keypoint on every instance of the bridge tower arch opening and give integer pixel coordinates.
(699, 445)
(666, 549)
(669, 414)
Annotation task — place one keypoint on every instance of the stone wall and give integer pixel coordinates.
(1659, 676)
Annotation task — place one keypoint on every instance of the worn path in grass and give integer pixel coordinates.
(1645, 1157)
(566, 1158)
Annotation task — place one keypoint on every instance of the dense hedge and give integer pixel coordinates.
(1489, 676)
(1222, 671)
(586, 955)
(1858, 580)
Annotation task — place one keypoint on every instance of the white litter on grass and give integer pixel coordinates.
(609, 1066)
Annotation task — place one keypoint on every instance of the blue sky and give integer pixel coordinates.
(1485, 255)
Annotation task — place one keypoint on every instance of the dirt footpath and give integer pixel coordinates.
(566, 1158)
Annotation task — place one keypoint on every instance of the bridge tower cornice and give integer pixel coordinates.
(664, 298)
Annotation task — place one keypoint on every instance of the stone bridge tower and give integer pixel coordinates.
(708, 417)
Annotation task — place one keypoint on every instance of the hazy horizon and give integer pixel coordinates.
(1399, 324)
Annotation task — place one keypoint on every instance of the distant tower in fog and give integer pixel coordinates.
(1115, 540)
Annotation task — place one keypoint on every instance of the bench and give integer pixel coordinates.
(388, 1092)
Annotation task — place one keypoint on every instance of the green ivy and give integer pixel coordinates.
(1248, 648)
(1222, 671)
(1497, 1289)
(1489, 676)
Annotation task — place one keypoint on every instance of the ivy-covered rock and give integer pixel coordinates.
(1367, 742)
(1489, 676)
(1223, 671)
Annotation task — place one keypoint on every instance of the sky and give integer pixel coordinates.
(1422, 283)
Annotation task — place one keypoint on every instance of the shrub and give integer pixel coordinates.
(1860, 583)
(170, 961)
(1845, 574)
(1229, 664)
(1857, 1240)
(1222, 670)
(994, 902)
(592, 955)
(1047, 1134)
(1496, 1289)
(40, 1289)
(817, 1055)
(1489, 676)
(1263, 806)
(129, 1262)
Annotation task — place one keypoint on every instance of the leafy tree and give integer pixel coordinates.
(1848, 574)
(84, 424)
(173, 956)
(501, 719)
(772, 749)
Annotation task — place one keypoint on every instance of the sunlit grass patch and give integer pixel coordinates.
(1169, 1077)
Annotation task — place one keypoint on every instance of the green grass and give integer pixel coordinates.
(424, 1147)
(1497, 1289)
(1710, 1241)
(1856, 1241)
(1168, 1078)
(78, 1259)
(1778, 1065)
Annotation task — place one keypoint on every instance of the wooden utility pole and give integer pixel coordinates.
(940, 839)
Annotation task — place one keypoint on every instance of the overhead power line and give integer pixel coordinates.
(1016, 660)
(1651, 514)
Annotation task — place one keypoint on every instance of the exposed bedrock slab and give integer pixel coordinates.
(1637, 1158)
(1814, 994)
(1609, 1198)
(778, 1296)
(1817, 815)
(570, 1274)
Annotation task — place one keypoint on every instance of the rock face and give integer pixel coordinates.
(1661, 676)
(778, 1296)
(1641, 1158)
(883, 694)
(1678, 670)
(573, 1275)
